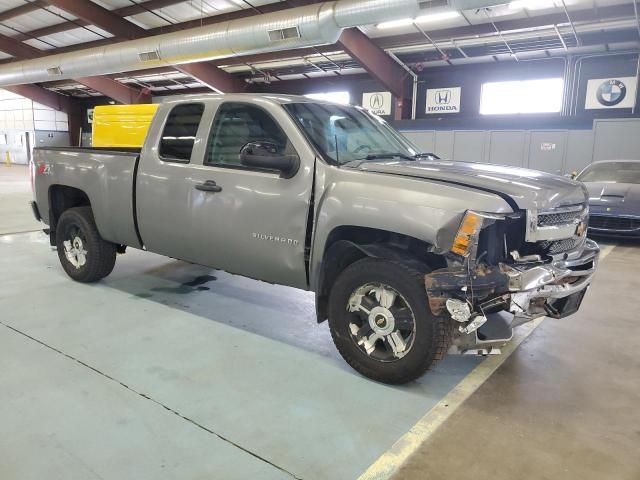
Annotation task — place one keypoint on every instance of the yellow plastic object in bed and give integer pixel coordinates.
(124, 126)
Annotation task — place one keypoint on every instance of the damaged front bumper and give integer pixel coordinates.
(526, 290)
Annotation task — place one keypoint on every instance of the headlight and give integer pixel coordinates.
(469, 230)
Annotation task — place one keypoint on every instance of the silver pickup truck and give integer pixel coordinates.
(408, 255)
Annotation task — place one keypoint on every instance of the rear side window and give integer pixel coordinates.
(179, 134)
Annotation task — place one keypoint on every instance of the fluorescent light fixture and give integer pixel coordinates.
(427, 18)
(395, 23)
(533, 4)
(437, 17)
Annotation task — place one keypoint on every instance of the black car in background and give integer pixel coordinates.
(614, 197)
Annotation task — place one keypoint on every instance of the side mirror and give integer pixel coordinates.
(265, 155)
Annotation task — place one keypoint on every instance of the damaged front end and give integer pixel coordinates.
(496, 274)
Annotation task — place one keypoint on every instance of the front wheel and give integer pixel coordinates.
(381, 323)
(84, 255)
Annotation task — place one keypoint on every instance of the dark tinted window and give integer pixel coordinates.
(237, 124)
(180, 131)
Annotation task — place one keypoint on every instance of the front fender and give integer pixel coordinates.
(427, 211)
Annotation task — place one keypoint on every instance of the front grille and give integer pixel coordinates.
(560, 246)
(614, 223)
(552, 219)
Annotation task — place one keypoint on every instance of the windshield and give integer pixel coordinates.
(612, 172)
(344, 134)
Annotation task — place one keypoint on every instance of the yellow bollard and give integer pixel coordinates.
(8, 160)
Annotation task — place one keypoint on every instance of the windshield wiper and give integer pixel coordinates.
(427, 155)
(380, 156)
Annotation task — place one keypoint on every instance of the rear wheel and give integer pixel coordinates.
(381, 323)
(84, 255)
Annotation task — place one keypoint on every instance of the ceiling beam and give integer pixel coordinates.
(18, 49)
(100, 17)
(142, 7)
(57, 102)
(120, 92)
(21, 10)
(41, 95)
(213, 77)
(105, 85)
(127, 11)
(374, 60)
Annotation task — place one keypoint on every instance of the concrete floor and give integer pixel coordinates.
(563, 406)
(15, 195)
(170, 370)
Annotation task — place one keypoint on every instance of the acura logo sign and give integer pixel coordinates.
(376, 101)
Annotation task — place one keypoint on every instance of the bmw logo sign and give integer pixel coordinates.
(611, 93)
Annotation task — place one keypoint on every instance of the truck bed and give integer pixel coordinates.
(105, 175)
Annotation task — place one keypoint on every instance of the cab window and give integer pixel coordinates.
(237, 124)
(179, 134)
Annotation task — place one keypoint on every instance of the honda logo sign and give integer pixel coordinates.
(443, 97)
(443, 100)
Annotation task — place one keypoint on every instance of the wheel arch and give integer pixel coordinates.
(61, 198)
(347, 244)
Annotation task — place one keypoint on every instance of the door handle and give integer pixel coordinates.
(209, 186)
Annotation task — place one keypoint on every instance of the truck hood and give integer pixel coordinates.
(527, 189)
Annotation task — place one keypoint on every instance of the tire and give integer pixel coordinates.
(77, 227)
(423, 348)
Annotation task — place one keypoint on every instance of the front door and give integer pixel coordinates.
(246, 221)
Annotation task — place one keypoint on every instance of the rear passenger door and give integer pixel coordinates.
(164, 186)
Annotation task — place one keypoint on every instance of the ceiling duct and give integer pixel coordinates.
(317, 24)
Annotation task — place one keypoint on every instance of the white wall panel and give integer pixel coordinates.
(617, 139)
(579, 150)
(444, 144)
